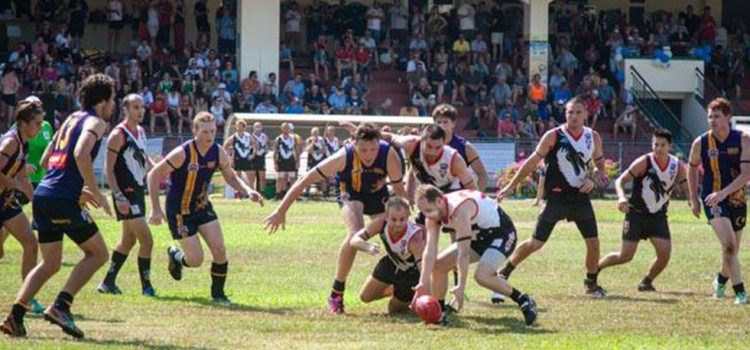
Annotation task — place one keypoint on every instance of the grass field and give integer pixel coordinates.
(280, 284)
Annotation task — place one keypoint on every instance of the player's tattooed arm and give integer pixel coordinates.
(395, 168)
(694, 162)
(636, 169)
(477, 165)
(542, 149)
(461, 171)
(360, 239)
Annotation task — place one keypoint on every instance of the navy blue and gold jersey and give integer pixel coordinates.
(721, 164)
(63, 179)
(357, 178)
(188, 192)
(16, 161)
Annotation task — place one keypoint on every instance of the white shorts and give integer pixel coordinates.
(497, 38)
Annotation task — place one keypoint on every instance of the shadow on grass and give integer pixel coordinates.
(497, 325)
(640, 300)
(234, 307)
(686, 293)
(79, 317)
(143, 344)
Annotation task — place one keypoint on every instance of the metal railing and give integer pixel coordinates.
(654, 108)
(705, 90)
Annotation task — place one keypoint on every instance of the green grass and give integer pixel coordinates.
(280, 283)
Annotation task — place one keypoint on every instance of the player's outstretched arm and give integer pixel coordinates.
(360, 239)
(462, 224)
(544, 147)
(694, 162)
(460, 170)
(327, 168)
(395, 168)
(429, 255)
(715, 198)
(231, 178)
(92, 131)
(477, 165)
(161, 170)
(636, 169)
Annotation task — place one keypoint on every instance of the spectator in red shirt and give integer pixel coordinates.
(506, 128)
(364, 59)
(345, 59)
(593, 106)
(159, 110)
(707, 31)
(166, 10)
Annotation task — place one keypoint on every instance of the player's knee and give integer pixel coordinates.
(535, 244)
(730, 248)
(29, 246)
(483, 275)
(366, 297)
(50, 267)
(194, 260)
(626, 257)
(99, 256)
(146, 242)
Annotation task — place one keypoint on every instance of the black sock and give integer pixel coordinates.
(442, 304)
(516, 296)
(507, 269)
(218, 278)
(338, 288)
(721, 278)
(63, 301)
(144, 270)
(184, 263)
(117, 260)
(18, 311)
(646, 280)
(591, 277)
(738, 288)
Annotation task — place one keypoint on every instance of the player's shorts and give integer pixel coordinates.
(496, 38)
(498, 239)
(258, 163)
(242, 164)
(312, 162)
(9, 207)
(638, 226)
(374, 203)
(54, 217)
(580, 211)
(737, 214)
(287, 166)
(116, 25)
(403, 281)
(137, 202)
(184, 226)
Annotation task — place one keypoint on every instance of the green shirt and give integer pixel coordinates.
(37, 146)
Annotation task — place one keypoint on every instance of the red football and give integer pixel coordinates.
(428, 309)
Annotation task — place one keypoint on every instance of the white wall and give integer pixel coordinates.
(673, 82)
(694, 116)
(259, 35)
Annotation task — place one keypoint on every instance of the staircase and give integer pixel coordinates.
(655, 110)
(705, 90)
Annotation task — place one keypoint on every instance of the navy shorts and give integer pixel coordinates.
(54, 218)
(736, 213)
(184, 226)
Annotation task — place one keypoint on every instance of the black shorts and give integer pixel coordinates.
(21, 197)
(374, 203)
(9, 207)
(137, 202)
(581, 212)
(737, 213)
(55, 217)
(184, 226)
(242, 164)
(76, 29)
(638, 226)
(116, 25)
(203, 26)
(258, 163)
(312, 163)
(501, 238)
(10, 99)
(287, 165)
(403, 281)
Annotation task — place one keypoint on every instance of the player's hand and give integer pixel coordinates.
(103, 203)
(156, 217)
(87, 198)
(622, 205)
(372, 248)
(458, 297)
(30, 169)
(587, 186)
(275, 220)
(419, 290)
(349, 126)
(713, 199)
(507, 191)
(695, 205)
(255, 196)
(123, 206)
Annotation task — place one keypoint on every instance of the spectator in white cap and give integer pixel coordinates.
(222, 93)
